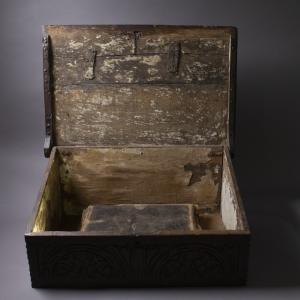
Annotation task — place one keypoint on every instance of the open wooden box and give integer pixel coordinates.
(139, 121)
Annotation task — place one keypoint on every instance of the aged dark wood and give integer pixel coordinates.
(140, 189)
(174, 57)
(232, 208)
(141, 115)
(117, 58)
(161, 68)
(139, 219)
(108, 261)
(91, 60)
(47, 95)
(232, 90)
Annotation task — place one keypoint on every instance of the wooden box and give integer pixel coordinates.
(139, 123)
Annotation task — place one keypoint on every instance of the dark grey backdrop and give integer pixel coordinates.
(266, 162)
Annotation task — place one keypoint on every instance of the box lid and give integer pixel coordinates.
(139, 85)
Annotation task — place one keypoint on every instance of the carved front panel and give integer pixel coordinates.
(95, 261)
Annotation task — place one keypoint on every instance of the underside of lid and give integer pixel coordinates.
(139, 85)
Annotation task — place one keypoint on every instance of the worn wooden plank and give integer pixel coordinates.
(192, 40)
(48, 95)
(151, 68)
(232, 210)
(199, 57)
(85, 260)
(120, 40)
(106, 40)
(141, 114)
(139, 219)
(49, 209)
(140, 175)
(148, 219)
(232, 91)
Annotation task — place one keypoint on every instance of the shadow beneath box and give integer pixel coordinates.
(275, 243)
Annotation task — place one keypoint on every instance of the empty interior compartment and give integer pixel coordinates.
(145, 190)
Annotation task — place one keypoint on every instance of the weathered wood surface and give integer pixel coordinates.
(124, 56)
(93, 176)
(141, 114)
(139, 219)
(145, 61)
(231, 208)
(78, 177)
(123, 40)
(49, 209)
(48, 95)
(137, 68)
(85, 260)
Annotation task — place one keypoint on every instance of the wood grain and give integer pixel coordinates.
(135, 65)
(231, 209)
(141, 114)
(123, 40)
(83, 260)
(140, 175)
(151, 68)
(138, 219)
(49, 210)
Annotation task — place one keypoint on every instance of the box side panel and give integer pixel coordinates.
(48, 209)
(93, 261)
(232, 209)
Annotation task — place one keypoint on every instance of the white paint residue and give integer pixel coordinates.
(72, 65)
(75, 45)
(152, 71)
(89, 74)
(108, 66)
(107, 100)
(115, 45)
(228, 210)
(151, 60)
(197, 138)
(140, 206)
(125, 90)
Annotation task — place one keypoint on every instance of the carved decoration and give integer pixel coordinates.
(137, 263)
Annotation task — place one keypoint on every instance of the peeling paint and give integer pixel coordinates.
(75, 45)
(89, 73)
(228, 209)
(151, 61)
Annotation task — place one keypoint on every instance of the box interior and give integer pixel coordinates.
(194, 176)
